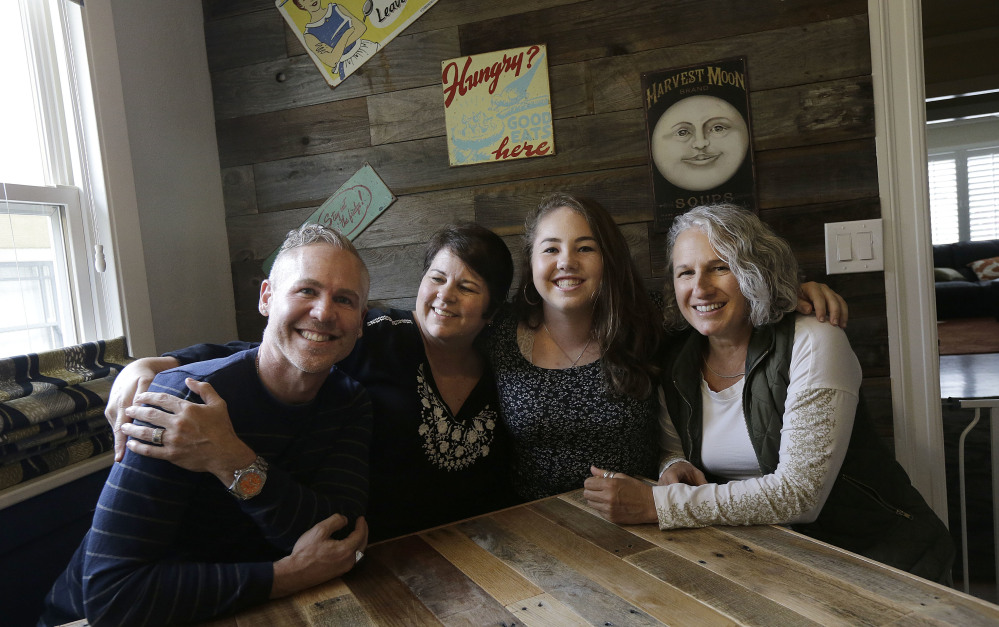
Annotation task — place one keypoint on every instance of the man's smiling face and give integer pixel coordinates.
(315, 304)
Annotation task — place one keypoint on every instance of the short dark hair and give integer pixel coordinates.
(481, 250)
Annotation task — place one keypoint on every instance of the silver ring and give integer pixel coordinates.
(611, 476)
(606, 474)
(158, 436)
(358, 556)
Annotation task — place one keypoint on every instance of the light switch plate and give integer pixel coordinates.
(854, 247)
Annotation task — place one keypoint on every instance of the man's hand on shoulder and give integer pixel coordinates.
(317, 557)
(196, 437)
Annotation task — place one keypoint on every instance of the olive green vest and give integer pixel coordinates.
(872, 509)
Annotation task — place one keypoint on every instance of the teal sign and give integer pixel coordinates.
(351, 208)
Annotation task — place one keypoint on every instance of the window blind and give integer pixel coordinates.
(964, 195)
(983, 194)
(944, 200)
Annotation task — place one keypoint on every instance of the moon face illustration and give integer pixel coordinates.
(699, 142)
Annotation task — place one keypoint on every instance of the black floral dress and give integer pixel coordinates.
(563, 421)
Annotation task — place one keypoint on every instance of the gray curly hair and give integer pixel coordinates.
(761, 261)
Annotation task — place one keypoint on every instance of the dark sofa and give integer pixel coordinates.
(964, 296)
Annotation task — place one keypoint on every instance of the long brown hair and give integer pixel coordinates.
(625, 322)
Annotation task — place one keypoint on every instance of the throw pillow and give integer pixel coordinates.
(947, 274)
(986, 269)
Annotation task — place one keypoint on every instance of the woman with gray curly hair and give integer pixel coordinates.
(761, 263)
(763, 421)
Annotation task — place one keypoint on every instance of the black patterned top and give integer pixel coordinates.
(563, 421)
(428, 466)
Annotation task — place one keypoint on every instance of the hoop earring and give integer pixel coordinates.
(528, 300)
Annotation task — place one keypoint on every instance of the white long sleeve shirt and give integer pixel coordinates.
(822, 399)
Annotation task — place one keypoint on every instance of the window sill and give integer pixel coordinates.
(39, 485)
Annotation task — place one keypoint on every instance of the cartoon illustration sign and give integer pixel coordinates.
(351, 208)
(700, 138)
(497, 106)
(341, 36)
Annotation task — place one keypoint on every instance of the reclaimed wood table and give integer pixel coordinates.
(556, 562)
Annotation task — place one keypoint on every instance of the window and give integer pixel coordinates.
(53, 216)
(983, 194)
(944, 200)
(45, 304)
(35, 295)
(962, 138)
(964, 195)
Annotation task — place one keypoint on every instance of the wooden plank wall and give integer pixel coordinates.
(287, 141)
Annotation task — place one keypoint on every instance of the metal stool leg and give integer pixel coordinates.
(977, 404)
(964, 505)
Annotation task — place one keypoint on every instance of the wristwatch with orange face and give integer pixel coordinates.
(249, 481)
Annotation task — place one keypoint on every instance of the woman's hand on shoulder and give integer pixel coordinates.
(133, 380)
(820, 299)
(196, 436)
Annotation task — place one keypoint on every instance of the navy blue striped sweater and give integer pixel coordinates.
(169, 546)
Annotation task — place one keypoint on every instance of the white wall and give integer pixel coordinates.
(974, 133)
(900, 123)
(153, 55)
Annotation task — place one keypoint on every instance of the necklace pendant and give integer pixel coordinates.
(718, 374)
(559, 346)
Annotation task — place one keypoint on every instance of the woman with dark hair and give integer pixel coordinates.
(575, 364)
(764, 421)
(439, 451)
(620, 303)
